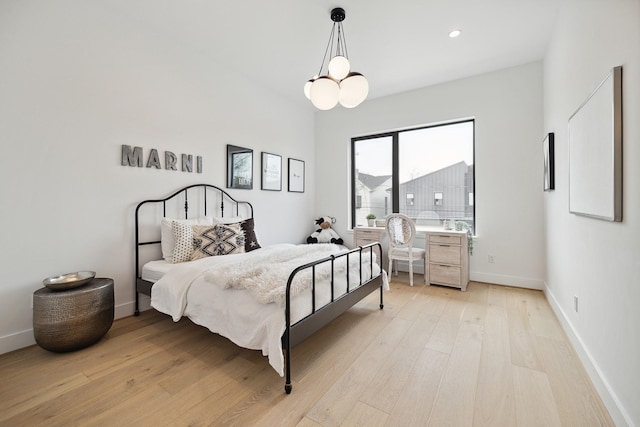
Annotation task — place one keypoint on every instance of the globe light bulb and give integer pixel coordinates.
(307, 88)
(353, 90)
(339, 67)
(324, 93)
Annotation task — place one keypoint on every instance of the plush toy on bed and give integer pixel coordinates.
(324, 234)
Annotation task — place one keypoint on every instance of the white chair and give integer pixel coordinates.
(401, 231)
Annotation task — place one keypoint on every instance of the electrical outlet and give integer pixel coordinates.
(492, 259)
(575, 303)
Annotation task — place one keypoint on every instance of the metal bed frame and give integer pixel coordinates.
(302, 329)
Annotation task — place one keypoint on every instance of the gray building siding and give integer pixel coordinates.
(440, 195)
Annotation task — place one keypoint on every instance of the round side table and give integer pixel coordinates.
(75, 318)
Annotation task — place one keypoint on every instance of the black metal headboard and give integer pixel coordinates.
(202, 205)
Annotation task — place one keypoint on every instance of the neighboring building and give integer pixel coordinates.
(443, 194)
(373, 196)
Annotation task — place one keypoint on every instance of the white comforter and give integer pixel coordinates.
(197, 290)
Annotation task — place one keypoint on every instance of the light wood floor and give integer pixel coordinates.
(493, 356)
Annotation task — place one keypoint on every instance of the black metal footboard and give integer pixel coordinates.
(321, 316)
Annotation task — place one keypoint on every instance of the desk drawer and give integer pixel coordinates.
(369, 234)
(444, 254)
(362, 242)
(447, 240)
(364, 237)
(445, 274)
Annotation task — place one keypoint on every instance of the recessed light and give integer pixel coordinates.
(455, 33)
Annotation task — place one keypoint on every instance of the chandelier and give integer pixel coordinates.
(339, 84)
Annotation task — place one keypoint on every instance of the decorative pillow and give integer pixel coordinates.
(250, 238)
(168, 241)
(227, 219)
(183, 236)
(221, 239)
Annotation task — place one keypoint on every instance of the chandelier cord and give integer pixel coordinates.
(341, 45)
(327, 50)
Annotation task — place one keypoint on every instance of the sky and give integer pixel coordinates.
(421, 151)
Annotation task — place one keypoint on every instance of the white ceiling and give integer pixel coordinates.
(398, 47)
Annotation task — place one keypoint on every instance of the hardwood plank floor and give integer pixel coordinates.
(491, 356)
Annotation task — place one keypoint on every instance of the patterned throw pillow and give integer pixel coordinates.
(183, 235)
(250, 239)
(167, 236)
(221, 239)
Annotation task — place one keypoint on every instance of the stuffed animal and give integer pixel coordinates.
(324, 234)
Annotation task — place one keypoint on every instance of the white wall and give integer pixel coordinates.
(76, 82)
(597, 261)
(507, 106)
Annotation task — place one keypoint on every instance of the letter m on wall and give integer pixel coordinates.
(131, 157)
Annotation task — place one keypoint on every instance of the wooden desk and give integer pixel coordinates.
(447, 258)
(365, 235)
(447, 252)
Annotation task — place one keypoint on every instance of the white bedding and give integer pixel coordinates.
(184, 290)
(154, 270)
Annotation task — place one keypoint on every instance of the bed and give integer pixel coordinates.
(263, 298)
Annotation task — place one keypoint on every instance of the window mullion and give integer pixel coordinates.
(395, 179)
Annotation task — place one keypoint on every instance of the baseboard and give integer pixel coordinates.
(502, 279)
(124, 310)
(25, 338)
(16, 341)
(418, 268)
(129, 308)
(617, 412)
(496, 279)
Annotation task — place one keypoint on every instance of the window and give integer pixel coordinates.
(373, 182)
(431, 168)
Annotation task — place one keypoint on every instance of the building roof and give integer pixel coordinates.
(455, 165)
(371, 181)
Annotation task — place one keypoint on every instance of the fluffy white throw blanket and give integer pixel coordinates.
(266, 275)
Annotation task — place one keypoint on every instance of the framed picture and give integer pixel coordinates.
(595, 152)
(548, 152)
(296, 175)
(271, 172)
(239, 167)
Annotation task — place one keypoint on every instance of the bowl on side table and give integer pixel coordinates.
(69, 280)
